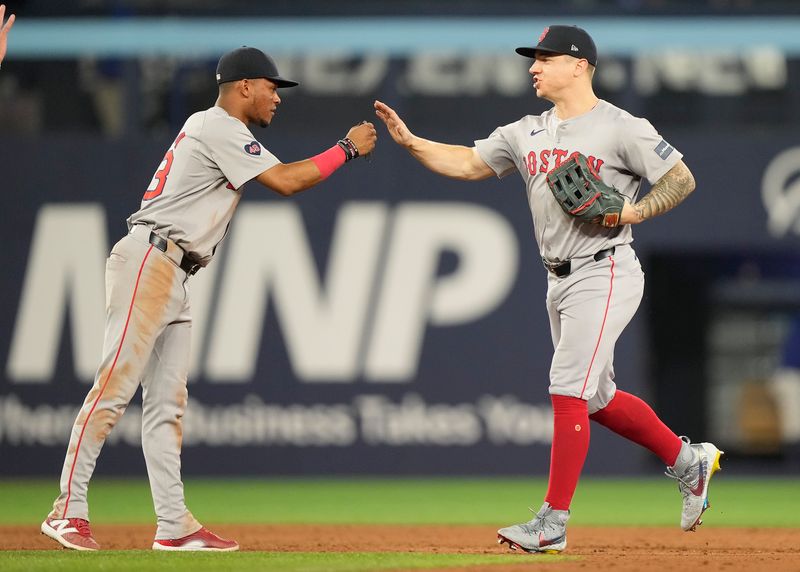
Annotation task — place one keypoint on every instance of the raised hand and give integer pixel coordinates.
(5, 28)
(396, 126)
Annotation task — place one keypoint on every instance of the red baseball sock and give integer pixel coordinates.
(568, 452)
(629, 416)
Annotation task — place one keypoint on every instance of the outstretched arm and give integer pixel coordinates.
(454, 161)
(668, 192)
(5, 28)
(290, 178)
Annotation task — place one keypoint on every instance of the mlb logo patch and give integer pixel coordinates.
(253, 148)
(664, 149)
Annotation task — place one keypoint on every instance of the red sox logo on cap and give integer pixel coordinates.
(544, 34)
(253, 148)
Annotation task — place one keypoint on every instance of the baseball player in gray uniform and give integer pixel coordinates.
(595, 281)
(5, 28)
(184, 214)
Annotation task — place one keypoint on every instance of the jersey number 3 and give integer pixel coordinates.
(156, 186)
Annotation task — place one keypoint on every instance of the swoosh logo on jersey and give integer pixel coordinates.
(698, 490)
(253, 148)
(536, 132)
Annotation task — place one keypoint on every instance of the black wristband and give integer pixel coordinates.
(350, 149)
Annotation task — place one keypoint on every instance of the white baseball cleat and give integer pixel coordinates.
(547, 532)
(693, 484)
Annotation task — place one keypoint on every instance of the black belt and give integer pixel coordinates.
(187, 264)
(562, 269)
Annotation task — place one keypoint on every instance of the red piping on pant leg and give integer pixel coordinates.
(105, 383)
(602, 327)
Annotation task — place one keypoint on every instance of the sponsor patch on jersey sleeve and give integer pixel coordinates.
(664, 149)
(253, 148)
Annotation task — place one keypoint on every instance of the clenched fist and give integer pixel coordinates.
(363, 137)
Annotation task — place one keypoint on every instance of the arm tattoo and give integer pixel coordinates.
(667, 193)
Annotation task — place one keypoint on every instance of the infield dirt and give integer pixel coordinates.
(596, 548)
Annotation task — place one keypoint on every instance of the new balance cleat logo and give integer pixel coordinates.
(62, 526)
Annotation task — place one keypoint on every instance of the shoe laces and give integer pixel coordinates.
(684, 485)
(688, 480)
(82, 526)
(543, 520)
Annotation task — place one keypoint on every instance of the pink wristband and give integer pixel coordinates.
(328, 161)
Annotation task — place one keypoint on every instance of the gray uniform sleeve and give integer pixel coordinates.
(497, 152)
(236, 152)
(646, 153)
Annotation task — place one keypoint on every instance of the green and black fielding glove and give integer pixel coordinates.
(582, 193)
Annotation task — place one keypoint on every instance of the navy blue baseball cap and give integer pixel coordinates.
(249, 63)
(570, 40)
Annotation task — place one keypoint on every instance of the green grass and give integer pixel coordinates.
(631, 502)
(634, 502)
(138, 560)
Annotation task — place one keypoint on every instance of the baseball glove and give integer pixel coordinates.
(582, 193)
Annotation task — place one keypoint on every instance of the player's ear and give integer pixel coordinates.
(581, 67)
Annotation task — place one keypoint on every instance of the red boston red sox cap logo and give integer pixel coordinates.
(544, 34)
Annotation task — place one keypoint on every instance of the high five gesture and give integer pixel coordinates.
(5, 28)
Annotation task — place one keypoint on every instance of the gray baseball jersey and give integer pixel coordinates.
(185, 210)
(197, 187)
(590, 306)
(622, 148)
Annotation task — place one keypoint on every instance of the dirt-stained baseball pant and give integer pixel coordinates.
(588, 310)
(147, 341)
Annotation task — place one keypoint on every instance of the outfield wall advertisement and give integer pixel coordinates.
(387, 322)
